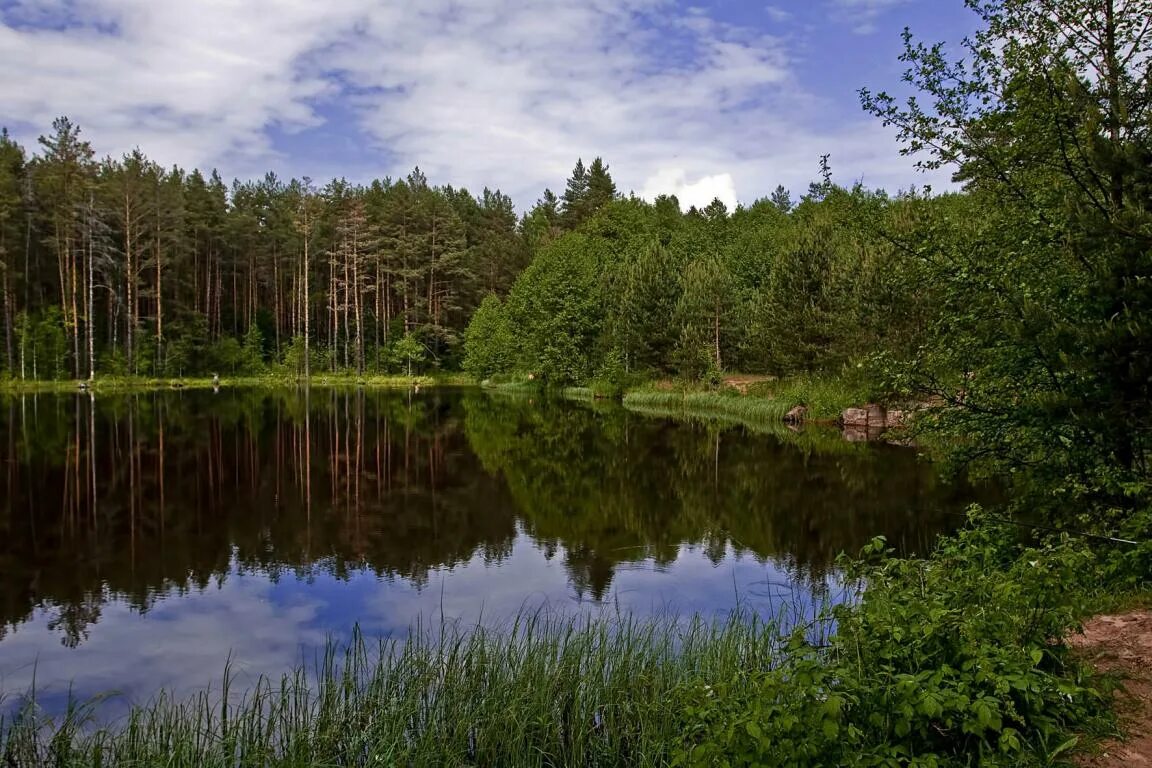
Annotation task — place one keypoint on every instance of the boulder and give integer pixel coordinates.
(855, 417)
(872, 416)
(796, 416)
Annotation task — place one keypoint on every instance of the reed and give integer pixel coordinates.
(545, 691)
(715, 404)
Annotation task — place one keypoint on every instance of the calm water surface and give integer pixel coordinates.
(145, 540)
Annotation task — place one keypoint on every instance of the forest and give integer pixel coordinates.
(123, 267)
(1019, 297)
(1011, 312)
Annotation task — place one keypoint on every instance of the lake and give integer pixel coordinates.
(146, 540)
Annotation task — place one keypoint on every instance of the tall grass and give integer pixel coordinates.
(547, 692)
(826, 397)
(705, 404)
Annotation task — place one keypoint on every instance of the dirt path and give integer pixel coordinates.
(1123, 645)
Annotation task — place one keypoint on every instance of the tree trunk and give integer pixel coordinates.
(356, 298)
(75, 316)
(279, 310)
(347, 305)
(9, 358)
(129, 258)
(335, 323)
(306, 309)
(159, 295)
(716, 338)
(88, 324)
(1112, 74)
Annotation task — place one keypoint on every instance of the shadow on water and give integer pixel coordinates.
(145, 538)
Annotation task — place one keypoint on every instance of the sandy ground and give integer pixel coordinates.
(1122, 645)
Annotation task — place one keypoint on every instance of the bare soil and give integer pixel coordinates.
(743, 381)
(1122, 645)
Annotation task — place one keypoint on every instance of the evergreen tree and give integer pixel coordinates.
(575, 200)
(12, 243)
(601, 188)
(782, 199)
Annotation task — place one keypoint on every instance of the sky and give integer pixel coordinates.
(704, 99)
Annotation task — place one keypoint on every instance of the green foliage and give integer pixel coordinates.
(1040, 346)
(43, 347)
(554, 310)
(186, 348)
(408, 353)
(253, 350)
(489, 345)
(758, 289)
(958, 659)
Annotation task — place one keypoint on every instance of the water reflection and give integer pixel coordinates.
(145, 538)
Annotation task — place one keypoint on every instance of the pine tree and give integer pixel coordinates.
(575, 205)
(12, 176)
(601, 188)
(64, 174)
(782, 199)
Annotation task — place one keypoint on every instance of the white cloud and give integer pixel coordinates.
(862, 14)
(192, 82)
(477, 92)
(778, 15)
(699, 193)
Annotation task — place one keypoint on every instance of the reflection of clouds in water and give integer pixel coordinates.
(266, 627)
(182, 644)
(692, 585)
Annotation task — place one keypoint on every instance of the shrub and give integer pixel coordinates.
(956, 659)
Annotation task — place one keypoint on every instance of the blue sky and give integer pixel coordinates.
(720, 98)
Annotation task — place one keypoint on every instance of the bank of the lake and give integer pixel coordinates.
(754, 401)
(129, 384)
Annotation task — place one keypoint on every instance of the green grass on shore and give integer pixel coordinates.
(546, 692)
(730, 405)
(114, 384)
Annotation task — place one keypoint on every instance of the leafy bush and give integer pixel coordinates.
(953, 660)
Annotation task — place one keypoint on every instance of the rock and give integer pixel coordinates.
(855, 417)
(796, 416)
(896, 419)
(872, 416)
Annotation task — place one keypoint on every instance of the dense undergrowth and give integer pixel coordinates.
(956, 659)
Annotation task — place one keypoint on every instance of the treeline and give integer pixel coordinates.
(1018, 306)
(642, 289)
(122, 266)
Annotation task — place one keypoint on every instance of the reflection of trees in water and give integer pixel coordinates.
(189, 486)
(140, 497)
(613, 487)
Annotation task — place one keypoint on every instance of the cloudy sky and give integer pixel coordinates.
(710, 98)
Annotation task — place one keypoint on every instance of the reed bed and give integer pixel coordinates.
(546, 692)
(711, 404)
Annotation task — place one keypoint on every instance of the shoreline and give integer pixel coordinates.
(129, 384)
